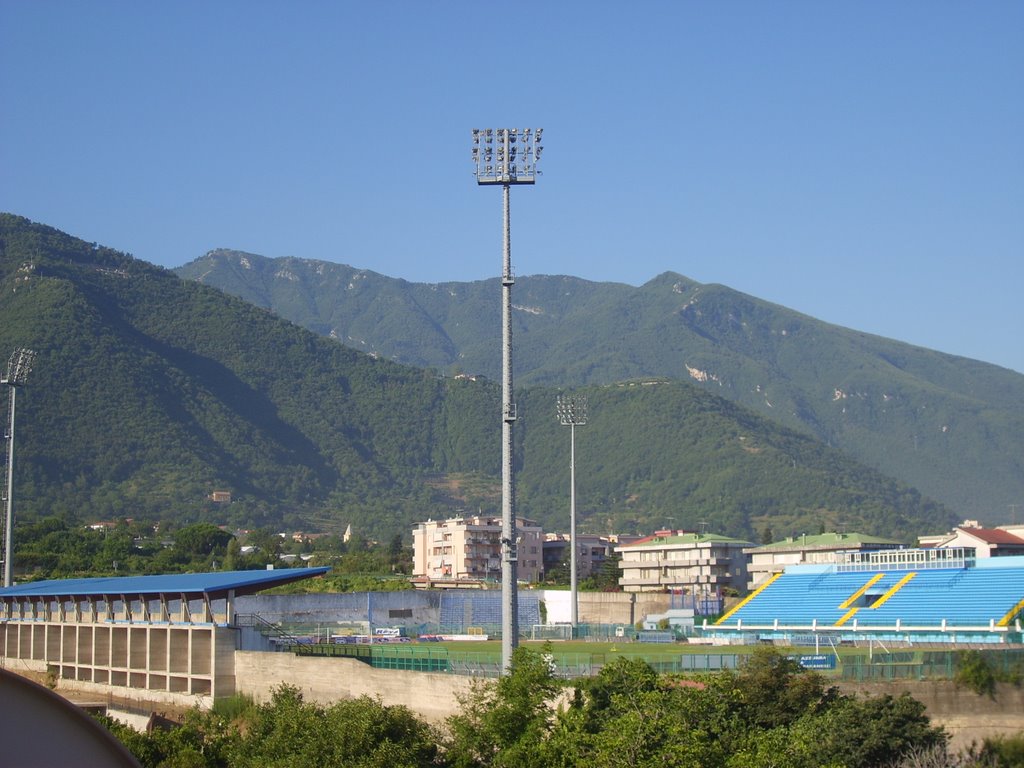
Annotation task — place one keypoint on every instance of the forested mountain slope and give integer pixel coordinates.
(150, 392)
(951, 426)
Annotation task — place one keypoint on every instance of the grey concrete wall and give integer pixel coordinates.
(620, 607)
(335, 609)
(381, 608)
(325, 680)
(964, 714)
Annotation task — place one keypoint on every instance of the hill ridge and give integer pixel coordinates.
(150, 392)
(946, 424)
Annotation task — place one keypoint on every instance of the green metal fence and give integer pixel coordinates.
(1006, 663)
(850, 664)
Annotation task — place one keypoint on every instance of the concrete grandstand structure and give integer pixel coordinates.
(907, 595)
(172, 636)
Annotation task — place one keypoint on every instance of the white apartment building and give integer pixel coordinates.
(986, 542)
(469, 548)
(696, 563)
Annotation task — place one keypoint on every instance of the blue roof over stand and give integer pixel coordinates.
(214, 583)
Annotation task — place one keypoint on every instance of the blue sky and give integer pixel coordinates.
(861, 162)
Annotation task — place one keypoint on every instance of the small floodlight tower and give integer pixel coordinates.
(572, 412)
(507, 156)
(18, 368)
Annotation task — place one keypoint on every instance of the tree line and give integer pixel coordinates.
(769, 714)
(54, 548)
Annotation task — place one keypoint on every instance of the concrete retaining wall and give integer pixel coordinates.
(380, 608)
(413, 609)
(326, 680)
(964, 714)
(620, 607)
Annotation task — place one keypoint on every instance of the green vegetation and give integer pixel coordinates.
(973, 672)
(769, 713)
(946, 425)
(976, 672)
(287, 731)
(150, 393)
(1000, 752)
(53, 548)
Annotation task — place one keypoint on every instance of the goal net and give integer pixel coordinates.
(551, 632)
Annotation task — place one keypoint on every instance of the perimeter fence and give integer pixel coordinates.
(1006, 664)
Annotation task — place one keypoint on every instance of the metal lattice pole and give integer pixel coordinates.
(18, 367)
(507, 156)
(572, 412)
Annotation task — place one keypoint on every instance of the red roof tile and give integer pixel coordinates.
(993, 535)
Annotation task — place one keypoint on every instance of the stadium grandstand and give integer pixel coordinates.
(905, 595)
(173, 635)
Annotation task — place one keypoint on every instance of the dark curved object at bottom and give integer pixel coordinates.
(40, 729)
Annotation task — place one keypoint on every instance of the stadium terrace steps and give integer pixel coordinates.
(960, 597)
(461, 609)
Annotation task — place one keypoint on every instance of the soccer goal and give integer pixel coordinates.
(551, 632)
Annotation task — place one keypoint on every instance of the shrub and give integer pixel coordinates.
(974, 672)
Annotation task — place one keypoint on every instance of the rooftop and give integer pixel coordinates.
(993, 535)
(662, 539)
(213, 584)
(829, 540)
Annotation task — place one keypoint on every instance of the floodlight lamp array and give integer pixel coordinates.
(572, 410)
(507, 155)
(19, 366)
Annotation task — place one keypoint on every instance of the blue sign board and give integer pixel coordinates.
(816, 661)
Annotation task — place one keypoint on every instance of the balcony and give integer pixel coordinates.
(638, 581)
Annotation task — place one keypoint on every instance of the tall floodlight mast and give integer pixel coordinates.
(18, 368)
(572, 413)
(507, 156)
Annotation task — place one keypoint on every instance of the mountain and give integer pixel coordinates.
(150, 392)
(950, 426)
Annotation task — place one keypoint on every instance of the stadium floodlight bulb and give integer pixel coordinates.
(516, 152)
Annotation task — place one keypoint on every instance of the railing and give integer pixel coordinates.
(869, 660)
(276, 631)
(906, 559)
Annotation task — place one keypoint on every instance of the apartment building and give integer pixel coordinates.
(591, 551)
(986, 542)
(469, 548)
(692, 563)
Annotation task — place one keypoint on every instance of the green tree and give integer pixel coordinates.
(361, 733)
(1002, 752)
(622, 677)
(771, 690)
(202, 740)
(232, 555)
(201, 540)
(974, 672)
(606, 579)
(505, 723)
(869, 733)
